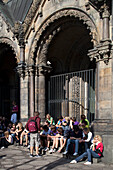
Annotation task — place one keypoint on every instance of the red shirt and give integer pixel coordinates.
(100, 147)
(15, 109)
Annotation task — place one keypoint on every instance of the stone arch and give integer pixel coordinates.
(71, 12)
(11, 44)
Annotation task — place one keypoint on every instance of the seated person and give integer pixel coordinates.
(18, 131)
(75, 136)
(25, 133)
(87, 138)
(59, 122)
(50, 119)
(66, 129)
(43, 136)
(95, 151)
(83, 118)
(59, 137)
(6, 140)
(50, 137)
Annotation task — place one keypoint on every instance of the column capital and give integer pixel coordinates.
(105, 11)
(21, 70)
(101, 52)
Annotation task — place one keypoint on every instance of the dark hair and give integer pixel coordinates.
(60, 130)
(53, 127)
(45, 127)
(85, 122)
(47, 122)
(83, 117)
(76, 128)
(36, 113)
(74, 118)
(86, 129)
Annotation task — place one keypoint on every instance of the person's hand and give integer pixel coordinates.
(72, 138)
(80, 141)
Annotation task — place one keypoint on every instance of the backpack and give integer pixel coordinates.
(32, 126)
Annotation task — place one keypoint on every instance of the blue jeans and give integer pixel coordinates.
(89, 153)
(75, 141)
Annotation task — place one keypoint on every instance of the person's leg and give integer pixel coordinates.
(81, 156)
(92, 153)
(48, 141)
(76, 145)
(12, 118)
(57, 141)
(37, 142)
(86, 146)
(31, 143)
(26, 138)
(68, 143)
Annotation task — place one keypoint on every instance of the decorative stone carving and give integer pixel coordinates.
(22, 70)
(65, 12)
(1, 24)
(101, 52)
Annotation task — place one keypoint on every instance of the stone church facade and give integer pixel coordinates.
(56, 57)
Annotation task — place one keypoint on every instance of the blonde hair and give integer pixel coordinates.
(67, 119)
(98, 137)
(6, 133)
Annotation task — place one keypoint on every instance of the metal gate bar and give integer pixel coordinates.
(72, 94)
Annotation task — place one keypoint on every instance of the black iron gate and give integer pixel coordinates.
(72, 94)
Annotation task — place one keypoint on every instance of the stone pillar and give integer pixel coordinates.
(32, 109)
(41, 83)
(41, 94)
(36, 88)
(106, 17)
(24, 100)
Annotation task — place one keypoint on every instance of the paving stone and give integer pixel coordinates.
(24, 167)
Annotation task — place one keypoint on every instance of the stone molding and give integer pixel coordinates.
(77, 13)
(31, 13)
(101, 52)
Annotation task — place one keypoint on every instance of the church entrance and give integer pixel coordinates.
(71, 87)
(9, 80)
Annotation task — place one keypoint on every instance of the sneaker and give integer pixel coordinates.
(73, 162)
(31, 155)
(51, 151)
(2, 147)
(28, 147)
(54, 150)
(87, 163)
(46, 149)
(75, 154)
(65, 152)
(37, 156)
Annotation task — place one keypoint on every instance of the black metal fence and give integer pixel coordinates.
(72, 94)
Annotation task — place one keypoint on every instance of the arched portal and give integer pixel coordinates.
(71, 81)
(64, 39)
(9, 81)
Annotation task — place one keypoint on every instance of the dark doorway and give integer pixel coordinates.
(9, 80)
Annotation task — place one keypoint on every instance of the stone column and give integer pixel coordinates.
(41, 83)
(105, 17)
(36, 88)
(31, 73)
(24, 100)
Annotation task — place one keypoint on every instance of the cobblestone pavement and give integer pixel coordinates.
(17, 157)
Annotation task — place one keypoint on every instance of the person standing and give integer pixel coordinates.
(14, 112)
(33, 126)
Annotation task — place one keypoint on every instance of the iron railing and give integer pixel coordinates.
(72, 94)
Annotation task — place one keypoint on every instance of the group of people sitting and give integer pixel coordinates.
(67, 136)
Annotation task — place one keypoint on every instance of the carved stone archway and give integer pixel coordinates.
(72, 12)
(9, 42)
